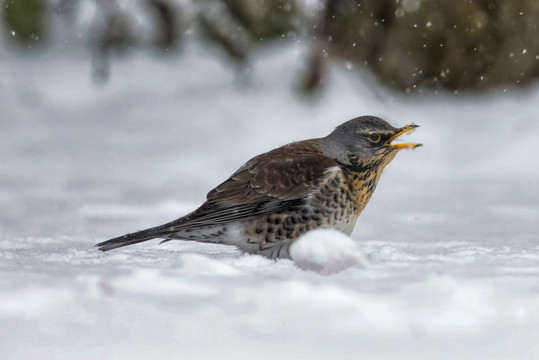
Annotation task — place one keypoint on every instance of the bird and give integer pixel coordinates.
(278, 196)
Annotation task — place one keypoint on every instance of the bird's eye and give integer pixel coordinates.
(374, 137)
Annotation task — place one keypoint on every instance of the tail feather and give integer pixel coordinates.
(130, 239)
(201, 220)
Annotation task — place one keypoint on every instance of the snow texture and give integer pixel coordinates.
(451, 234)
(326, 251)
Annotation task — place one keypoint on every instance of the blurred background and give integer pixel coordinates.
(117, 115)
(405, 45)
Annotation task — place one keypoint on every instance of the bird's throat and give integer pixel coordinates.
(361, 186)
(362, 178)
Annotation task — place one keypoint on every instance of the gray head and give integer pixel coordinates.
(365, 140)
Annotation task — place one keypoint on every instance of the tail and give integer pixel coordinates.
(134, 238)
(169, 231)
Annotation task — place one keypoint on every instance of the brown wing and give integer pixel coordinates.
(271, 182)
(285, 173)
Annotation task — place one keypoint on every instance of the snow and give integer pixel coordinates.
(450, 236)
(326, 251)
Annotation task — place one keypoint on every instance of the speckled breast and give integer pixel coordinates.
(336, 203)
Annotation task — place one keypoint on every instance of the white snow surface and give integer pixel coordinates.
(326, 251)
(450, 236)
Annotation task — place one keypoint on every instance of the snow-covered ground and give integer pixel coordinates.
(450, 238)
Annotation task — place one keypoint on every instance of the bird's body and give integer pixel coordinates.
(279, 195)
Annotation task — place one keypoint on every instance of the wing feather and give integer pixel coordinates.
(272, 182)
(285, 173)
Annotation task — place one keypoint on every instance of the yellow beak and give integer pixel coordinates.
(408, 129)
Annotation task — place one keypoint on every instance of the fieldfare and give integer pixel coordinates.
(279, 195)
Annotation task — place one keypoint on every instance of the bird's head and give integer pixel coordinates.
(366, 141)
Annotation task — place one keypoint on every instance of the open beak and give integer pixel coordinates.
(408, 129)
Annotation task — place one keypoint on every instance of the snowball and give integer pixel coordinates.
(326, 251)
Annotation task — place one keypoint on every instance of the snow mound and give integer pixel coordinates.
(160, 286)
(200, 265)
(326, 251)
